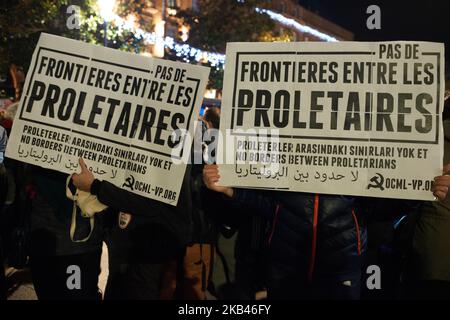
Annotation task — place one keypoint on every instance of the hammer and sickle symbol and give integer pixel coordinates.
(129, 183)
(376, 182)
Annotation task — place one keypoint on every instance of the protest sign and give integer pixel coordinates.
(127, 115)
(348, 118)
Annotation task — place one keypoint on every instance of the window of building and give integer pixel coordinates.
(172, 31)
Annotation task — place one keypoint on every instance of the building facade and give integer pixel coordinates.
(291, 9)
(163, 17)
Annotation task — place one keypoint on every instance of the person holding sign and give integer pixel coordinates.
(430, 260)
(3, 189)
(317, 241)
(128, 116)
(145, 235)
(62, 268)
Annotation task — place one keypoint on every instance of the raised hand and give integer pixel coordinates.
(211, 176)
(84, 179)
(442, 184)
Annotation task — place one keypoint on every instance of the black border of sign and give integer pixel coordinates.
(233, 106)
(21, 117)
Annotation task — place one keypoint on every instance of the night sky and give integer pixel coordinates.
(400, 19)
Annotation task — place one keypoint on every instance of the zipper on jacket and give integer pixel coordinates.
(274, 223)
(312, 260)
(358, 234)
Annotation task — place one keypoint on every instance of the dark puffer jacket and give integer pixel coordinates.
(313, 234)
(157, 232)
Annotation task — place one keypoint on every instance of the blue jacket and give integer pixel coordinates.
(313, 234)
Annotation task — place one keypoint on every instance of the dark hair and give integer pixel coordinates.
(212, 115)
(446, 111)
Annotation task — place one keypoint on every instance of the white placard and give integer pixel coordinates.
(349, 118)
(127, 115)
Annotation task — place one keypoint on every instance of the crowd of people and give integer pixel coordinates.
(294, 245)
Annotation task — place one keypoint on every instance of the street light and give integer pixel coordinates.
(160, 32)
(107, 13)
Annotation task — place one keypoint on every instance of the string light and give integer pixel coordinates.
(187, 52)
(288, 22)
(181, 49)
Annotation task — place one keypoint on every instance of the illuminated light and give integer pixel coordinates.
(159, 28)
(158, 50)
(204, 56)
(184, 33)
(106, 9)
(172, 12)
(210, 94)
(186, 52)
(288, 22)
(130, 22)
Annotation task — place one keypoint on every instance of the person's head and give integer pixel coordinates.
(212, 117)
(7, 115)
(446, 111)
(3, 141)
(446, 117)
